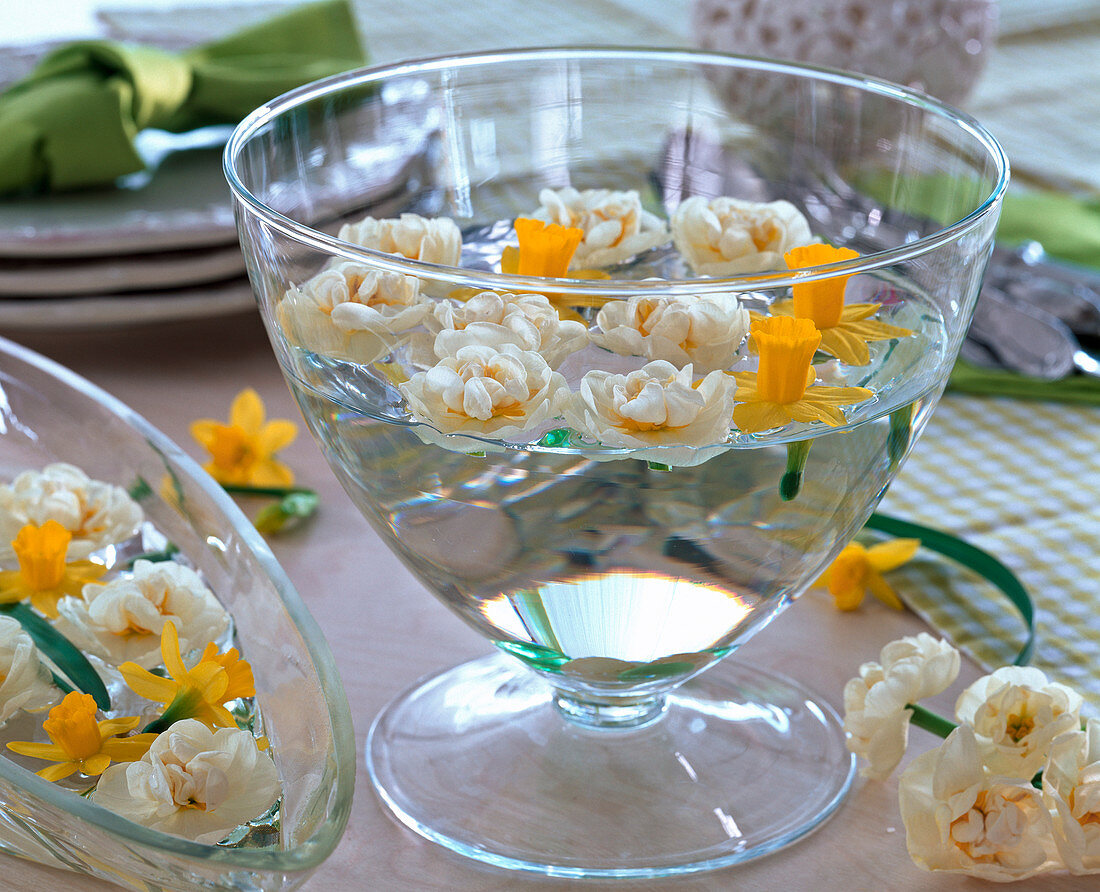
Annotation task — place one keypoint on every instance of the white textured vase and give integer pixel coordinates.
(937, 46)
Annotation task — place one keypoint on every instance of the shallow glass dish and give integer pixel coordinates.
(49, 414)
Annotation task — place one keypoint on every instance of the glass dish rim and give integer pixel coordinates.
(307, 854)
(270, 111)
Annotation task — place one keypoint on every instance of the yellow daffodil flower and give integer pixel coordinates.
(780, 390)
(243, 451)
(198, 693)
(846, 329)
(858, 570)
(80, 743)
(44, 576)
(545, 249)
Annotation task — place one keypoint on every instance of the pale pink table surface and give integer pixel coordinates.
(387, 631)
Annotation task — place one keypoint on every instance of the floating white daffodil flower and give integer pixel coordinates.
(351, 311)
(876, 713)
(193, 782)
(961, 818)
(26, 682)
(122, 620)
(429, 239)
(1016, 712)
(1071, 790)
(704, 331)
(490, 318)
(485, 391)
(616, 227)
(727, 236)
(96, 513)
(656, 405)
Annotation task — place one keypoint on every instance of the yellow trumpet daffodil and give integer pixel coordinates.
(780, 390)
(846, 329)
(44, 575)
(198, 693)
(243, 451)
(858, 570)
(80, 743)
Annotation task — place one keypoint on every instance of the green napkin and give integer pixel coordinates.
(71, 123)
(1068, 229)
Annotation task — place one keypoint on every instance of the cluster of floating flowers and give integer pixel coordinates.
(71, 627)
(488, 364)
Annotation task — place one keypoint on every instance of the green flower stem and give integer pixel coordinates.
(930, 721)
(183, 706)
(791, 482)
(169, 552)
(901, 432)
(277, 492)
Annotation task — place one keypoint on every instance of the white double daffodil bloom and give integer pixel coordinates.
(529, 321)
(656, 405)
(123, 619)
(875, 715)
(26, 683)
(1071, 790)
(428, 239)
(485, 391)
(616, 227)
(961, 818)
(193, 782)
(96, 513)
(351, 311)
(705, 331)
(728, 236)
(1016, 712)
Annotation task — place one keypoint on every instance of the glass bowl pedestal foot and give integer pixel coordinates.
(490, 761)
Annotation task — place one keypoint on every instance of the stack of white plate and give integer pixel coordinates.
(160, 247)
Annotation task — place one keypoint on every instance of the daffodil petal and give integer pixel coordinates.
(95, 765)
(856, 312)
(58, 772)
(145, 684)
(204, 430)
(845, 346)
(759, 416)
(881, 590)
(276, 434)
(37, 750)
(247, 411)
(271, 473)
(892, 553)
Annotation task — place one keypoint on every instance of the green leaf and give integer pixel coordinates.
(166, 554)
(67, 658)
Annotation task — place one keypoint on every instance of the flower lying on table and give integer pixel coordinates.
(243, 460)
(858, 569)
(1013, 791)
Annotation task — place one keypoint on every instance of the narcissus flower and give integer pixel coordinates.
(613, 224)
(194, 782)
(431, 240)
(199, 693)
(857, 570)
(80, 743)
(44, 576)
(846, 329)
(243, 451)
(545, 249)
(780, 390)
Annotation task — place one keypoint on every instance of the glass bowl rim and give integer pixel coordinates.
(307, 854)
(354, 78)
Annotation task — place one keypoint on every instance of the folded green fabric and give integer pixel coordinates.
(71, 123)
(1068, 228)
(1082, 390)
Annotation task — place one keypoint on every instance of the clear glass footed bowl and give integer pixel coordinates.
(541, 311)
(49, 415)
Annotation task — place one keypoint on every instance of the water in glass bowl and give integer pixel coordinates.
(614, 571)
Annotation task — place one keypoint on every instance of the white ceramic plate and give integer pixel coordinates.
(121, 310)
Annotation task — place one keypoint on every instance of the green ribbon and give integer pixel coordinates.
(981, 562)
(71, 123)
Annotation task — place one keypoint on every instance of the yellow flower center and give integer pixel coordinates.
(72, 726)
(545, 249)
(786, 347)
(1019, 725)
(823, 300)
(231, 448)
(41, 553)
